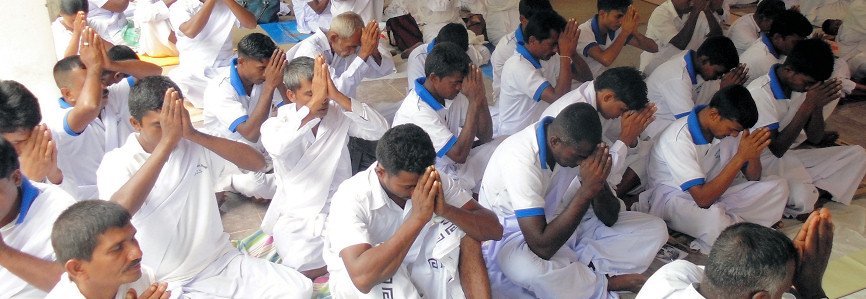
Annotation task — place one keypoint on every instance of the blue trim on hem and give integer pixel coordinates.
(67, 128)
(537, 96)
(691, 183)
(447, 147)
(532, 212)
(773, 126)
(234, 126)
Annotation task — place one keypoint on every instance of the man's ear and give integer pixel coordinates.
(290, 95)
(606, 96)
(136, 125)
(380, 172)
(761, 295)
(75, 270)
(17, 177)
(66, 93)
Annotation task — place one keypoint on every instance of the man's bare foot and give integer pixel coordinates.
(626, 282)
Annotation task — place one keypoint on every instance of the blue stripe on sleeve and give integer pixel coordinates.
(234, 126)
(586, 49)
(67, 128)
(691, 183)
(529, 212)
(773, 126)
(447, 147)
(540, 90)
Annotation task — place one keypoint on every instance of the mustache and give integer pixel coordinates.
(133, 264)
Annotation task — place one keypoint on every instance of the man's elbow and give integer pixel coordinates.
(544, 252)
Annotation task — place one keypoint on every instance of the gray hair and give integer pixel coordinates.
(77, 230)
(297, 71)
(346, 24)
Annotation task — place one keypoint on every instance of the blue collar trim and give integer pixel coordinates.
(425, 95)
(235, 78)
(518, 35)
(695, 126)
(595, 30)
(541, 138)
(525, 53)
(775, 85)
(769, 44)
(431, 45)
(130, 80)
(690, 67)
(28, 196)
(63, 103)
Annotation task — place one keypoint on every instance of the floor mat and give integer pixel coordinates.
(284, 32)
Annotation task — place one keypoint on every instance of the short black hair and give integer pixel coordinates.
(19, 108)
(446, 59)
(577, 123)
(121, 53)
(542, 23)
(406, 148)
(72, 7)
(812, 57)
(790, 22)
(719, 50)
(769, 9)
(148, 95)
(736, 103)
(528, 8)
(8, 159)
(63, 67)
(454, 33)
(627, 83)
(746, 258)
(256, 46)
(608, 5)
(76, 231)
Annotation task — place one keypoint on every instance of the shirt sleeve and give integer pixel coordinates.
(112, 174)
(347, 221)
(678, 96)
(767, 114)
(415, 66)
(62, 38)
(282, 133)
(179, 13)
(682, 159)
(586, 40)
(660, 26)
(368, 123)
(223, 104)
(527, 79)
(523, 181)
(443, 139)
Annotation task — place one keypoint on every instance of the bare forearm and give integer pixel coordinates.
(783, 140)
(473, 270)
(607, 56)
(815, 126)
(644, 43)
(136, 68)
(379, 263)
(707, 194)
(556, 233)
(484, 133)
(245, 17)
(580, 70)
(460, 151)
(192, 27)
(242, 155)
(135, 191)
(252, 129)
(35, 271)
(89, 102)
(682, 39)
(753, 169)
(480, 224)
(606, 207)
(715, 27)
(72, 48)
(563, 82)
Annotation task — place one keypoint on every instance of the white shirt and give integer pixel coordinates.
(369, 10)
(506, 48)
(212, 47)
(180, 211)
(775, 109)
(744, 32)
(674, 88)
(432, 15)
(307, 18)
(362, 213)
(520, 103)
(62, 36)
(347, 72)
(116, 115)
(442, 122)
(30, 233)
(67, 289)
(678, 279)
(760, 57)
(106, 23)
(78, 153)
(664, 23)
(418, 56)
(852, 34)
(590, 36)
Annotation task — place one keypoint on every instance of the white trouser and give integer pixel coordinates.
(246, 277)
(761, 202)
(469, 174)
(627, 247)
(300, 240)
(398, 286)
(501, 23)
(254, 184)
(802, 193)
(837, 169)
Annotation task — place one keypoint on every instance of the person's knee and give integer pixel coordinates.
(519, 265)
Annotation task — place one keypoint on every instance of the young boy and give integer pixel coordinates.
(95, 243)
(179, 224)
(67, 28)
(524, 89)
(617, 94)
(748, 28)
(90, 117)
(678, 25)
(239, 100)
(788, 28)
(694, 183)
(458, 122)
(307, 141)
(401, 229)
(451, 33)
(605, 35)
(794, 100)
(566, 234)
(27, 209)
(203, 31)
(689, 79)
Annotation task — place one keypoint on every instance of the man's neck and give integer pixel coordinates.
(248, 85)
(97, 291)
(13, 213)
(428, 87)
(396, 199)
(703, 120)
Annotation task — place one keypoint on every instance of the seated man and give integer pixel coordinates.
(748, 28)
(368, 10)
(605, 35)
(502, 17)
(179, 225)
(431, 16)
(451, 33)
(119, 81)
(457, 121)
(90, 117)
(566, 234)
(156, 38)
(692, 78)
(401, 229)
(617, 94)
(788, 28)
(312, 15)
(67, 28)
(106, 17)
(678, 25)
(203, 31)
(852, 39)
(307, 141)
(351, 51)
(752, 261)
(27, 210)
(694, 183)
(239, 100)
(794, 101)
(95, 243)
(524, 89)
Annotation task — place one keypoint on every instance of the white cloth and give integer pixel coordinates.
(347, 72)
(675, 87)
(151, 17)
(432, 15)
(362, 213)
(62, 37)
(681, 159)
(116, 115)
(590, 37)
(30, 233)
(307, 18)
(744, 32)
(109, 25)
(505, 49)
(67, 289)
(760, 57)
(518, 183)
(418, 56)
(819, 10)
(369, 10)
(522, 83)
(678, 279)
(664, 23)
(309, 168)
(502, 17)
